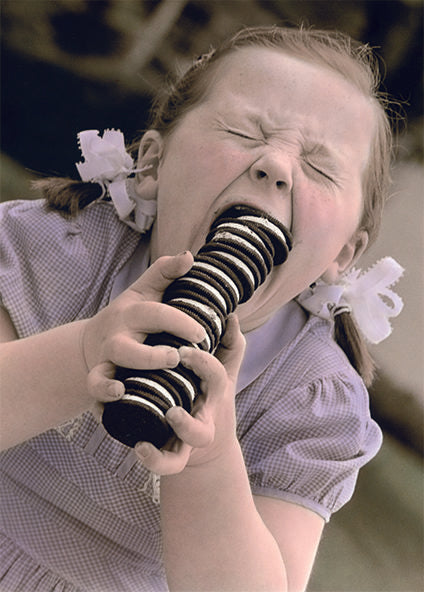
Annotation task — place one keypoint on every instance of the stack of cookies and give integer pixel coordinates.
(241, 249)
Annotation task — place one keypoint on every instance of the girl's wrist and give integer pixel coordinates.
(210, 465)
(81, 343)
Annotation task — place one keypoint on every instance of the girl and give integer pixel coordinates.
(286, 120)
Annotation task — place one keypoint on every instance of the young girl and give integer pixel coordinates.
(287, 120)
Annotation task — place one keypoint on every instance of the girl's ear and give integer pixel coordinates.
(347, 257)
(149, 155)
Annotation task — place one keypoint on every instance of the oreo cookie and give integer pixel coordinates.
(133, 419)
(250, 279)
(241, 249)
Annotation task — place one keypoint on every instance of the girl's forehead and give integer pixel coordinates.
(282, 95)
(250, 68)
(264, 82)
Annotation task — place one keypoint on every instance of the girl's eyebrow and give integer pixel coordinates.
(241, 117)
(312, 147)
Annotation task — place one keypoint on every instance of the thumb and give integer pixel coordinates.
(161, 274)
(232, 347)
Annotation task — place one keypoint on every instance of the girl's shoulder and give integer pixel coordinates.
(310, 368)
(305, 426)
(32, 220)
(55, 269)
(314, 354)
(314, 367)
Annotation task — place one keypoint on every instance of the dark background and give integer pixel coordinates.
(63, 61)
(70, 65)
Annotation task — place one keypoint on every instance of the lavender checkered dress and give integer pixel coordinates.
(79, 512)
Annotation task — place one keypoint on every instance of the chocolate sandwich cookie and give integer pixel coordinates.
(231, 256)
(184, 387)
(212, 320)
(251, 248)
(243, 250)
(277, 232)
(164, 338)
(222, 277)
(229, 266)
(253, 235)
(133, 419)
(152, 390)
(206, 290)
(242, 247)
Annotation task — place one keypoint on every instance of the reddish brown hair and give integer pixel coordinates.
(334, 50)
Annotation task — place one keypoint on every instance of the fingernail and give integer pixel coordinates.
(172, 357)
(143, 449)
(201, 335)
(185, 352)
(116, 390)
(174, 414)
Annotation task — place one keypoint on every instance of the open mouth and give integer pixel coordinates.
(253, 219)
(239, 201)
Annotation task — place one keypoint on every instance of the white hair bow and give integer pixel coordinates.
(367, 295)
(107, 162)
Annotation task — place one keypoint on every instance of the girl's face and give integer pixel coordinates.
(281, 134)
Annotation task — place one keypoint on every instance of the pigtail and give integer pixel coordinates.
(66, 195)
(353, 344)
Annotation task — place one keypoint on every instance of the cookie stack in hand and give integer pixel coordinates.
(241, 249)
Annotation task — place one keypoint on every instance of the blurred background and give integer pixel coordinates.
(69, 65)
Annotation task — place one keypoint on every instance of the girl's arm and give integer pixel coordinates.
(42, 381)
(215, 535)
(297, 531)
(49, 378)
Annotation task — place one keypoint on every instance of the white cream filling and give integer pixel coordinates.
(267, 224)
(184, 381)
(221, 274)
(155, 385)
(143, 401)
(212, 290)
(240, 240)
(203, 308)
(238, 225)
(236, 261)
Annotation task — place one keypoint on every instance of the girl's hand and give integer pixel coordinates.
(114, 336)
(206, 434)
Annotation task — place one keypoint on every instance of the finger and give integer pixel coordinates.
(154, 317)
(97, 411)
(197, 432)
(207, 367)
(232, 348)
(101, 384)
(125, 351)
(161, 273)
(164, 462)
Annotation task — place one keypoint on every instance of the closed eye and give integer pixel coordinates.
(242, 135)
(321, 172)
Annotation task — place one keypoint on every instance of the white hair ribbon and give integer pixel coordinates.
(367, 295)
(107, 162)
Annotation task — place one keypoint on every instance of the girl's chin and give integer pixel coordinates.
(252, 315)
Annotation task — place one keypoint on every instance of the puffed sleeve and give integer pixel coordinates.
(307, 445)
(53, 269)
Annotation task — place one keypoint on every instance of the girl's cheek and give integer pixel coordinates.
(226, 162)
(314, 211)
(304, 214)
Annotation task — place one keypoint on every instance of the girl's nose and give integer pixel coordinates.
(274, 170)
